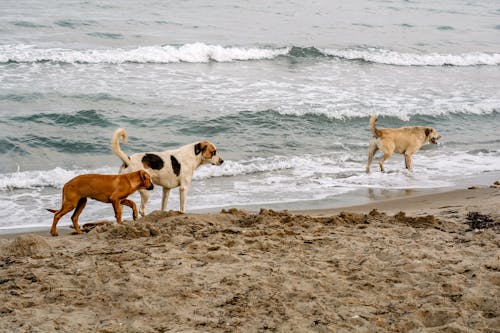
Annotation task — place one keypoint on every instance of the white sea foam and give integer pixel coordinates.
(389, 57)
(340, 167)
(246, 167)
(195, 53)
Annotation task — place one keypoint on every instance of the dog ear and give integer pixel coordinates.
(200, 147)
(428, 131)
(197, 148)
(143, 174)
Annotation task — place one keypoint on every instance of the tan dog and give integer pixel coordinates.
(112, 189)
(169, 168)
(404, 140)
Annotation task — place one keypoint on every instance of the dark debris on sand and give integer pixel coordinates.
(478, 221)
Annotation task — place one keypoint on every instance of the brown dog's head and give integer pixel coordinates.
(208, 153)
(146, 180)
(432, 135)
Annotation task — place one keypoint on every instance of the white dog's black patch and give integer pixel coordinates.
(153, 161)
(197, 148)
(176, 166)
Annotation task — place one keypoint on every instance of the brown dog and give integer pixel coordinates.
(105, 188)
(404, 140)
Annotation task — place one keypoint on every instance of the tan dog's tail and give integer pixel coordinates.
(115, 145)
(51, 210)
(375, 131)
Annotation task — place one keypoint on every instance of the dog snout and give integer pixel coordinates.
(216, 160)
(150, 187)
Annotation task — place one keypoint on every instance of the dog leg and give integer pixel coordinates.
(408, 161)
(132, 205)
(183, 192)
(382, 160)
(118, 211)
(66, 207)
(145, 194)
(79, 207)
(371, 153)
(164, 199)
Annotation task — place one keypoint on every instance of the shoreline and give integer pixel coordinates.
(482, 198)
(336, 203)
(422, 201)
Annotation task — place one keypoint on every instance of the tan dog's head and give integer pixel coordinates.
(146, 180)
(208, 153)
(432, 135)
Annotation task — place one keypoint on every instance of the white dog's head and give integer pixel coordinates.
(208, 153)
(432, 135)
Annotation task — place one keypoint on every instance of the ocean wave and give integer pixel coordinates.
(203, 53)
(79, 118)
(405, 114)
(193, 53)
(388, 57)
(330, 121)
(55, 178)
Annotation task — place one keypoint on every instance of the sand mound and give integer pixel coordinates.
(239, 221)
(148, 226)
(128, 230)
(28, 246)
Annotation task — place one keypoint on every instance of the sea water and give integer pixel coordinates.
(283, 89)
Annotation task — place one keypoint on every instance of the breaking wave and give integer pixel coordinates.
(203, 53)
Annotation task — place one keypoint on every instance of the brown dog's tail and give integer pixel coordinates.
(51, 210)
(115, 145)
(375, 131)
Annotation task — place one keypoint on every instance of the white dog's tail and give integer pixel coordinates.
(375, 131)
(115, 145)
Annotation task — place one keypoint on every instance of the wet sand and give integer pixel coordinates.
(428, 263)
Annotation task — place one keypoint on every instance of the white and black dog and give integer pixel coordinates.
(169, 168)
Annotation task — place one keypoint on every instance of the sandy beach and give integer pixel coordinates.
(428, 263)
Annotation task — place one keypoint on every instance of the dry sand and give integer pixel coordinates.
(319, 271)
